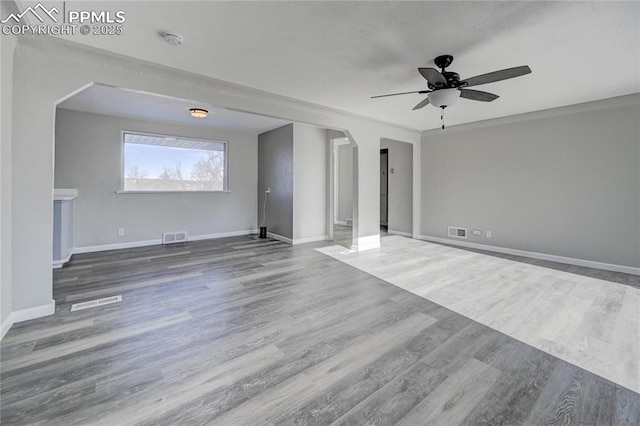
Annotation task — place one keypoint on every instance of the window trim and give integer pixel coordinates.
(225, 185)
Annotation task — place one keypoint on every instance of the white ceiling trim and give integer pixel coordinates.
(338, 54)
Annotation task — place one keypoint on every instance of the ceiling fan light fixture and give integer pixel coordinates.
(198, 112)
(444, 97)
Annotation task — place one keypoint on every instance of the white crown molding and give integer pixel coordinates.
(598, 105)
(55, 43)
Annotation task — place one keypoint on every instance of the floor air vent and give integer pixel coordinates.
(95, 303)
(456, 232)
(174, 237)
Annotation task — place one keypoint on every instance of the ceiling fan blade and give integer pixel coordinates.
(498, 75)
(478, 95)
(433, 76)
(401, 93)
(421, 104)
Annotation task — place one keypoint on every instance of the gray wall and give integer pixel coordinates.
(292, 161)
(88, 157)
(275, 171)
(344, 181)
(72, 68)
(6, 82)
(309, 182)
(400, 185)
(562, 182)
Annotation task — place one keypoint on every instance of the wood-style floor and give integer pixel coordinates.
(590, 322)
(244, 331)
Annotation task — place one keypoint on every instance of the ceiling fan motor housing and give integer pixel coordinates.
(453, 79)
(443, 61)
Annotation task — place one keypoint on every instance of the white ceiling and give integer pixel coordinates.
(100, 99)
(338, 54)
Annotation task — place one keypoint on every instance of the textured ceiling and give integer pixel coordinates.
(338, 54)
(100, 99)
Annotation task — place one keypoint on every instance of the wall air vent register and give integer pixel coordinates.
(456, 232)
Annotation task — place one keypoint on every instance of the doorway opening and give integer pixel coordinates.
(384, 190)
(342, 165)
(396, 188)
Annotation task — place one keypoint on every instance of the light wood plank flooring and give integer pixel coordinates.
(590, 322)
(242, 331)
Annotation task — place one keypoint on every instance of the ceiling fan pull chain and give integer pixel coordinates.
(442, 116)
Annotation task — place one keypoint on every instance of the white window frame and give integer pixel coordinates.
(161, 135)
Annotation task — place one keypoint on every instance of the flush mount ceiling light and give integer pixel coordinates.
(198, 112)
(172, 38)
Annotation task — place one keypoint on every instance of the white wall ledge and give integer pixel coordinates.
(63, 194)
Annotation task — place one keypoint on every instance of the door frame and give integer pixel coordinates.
(384, 151)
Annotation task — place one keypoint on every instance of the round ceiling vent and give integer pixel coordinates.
(172, 39)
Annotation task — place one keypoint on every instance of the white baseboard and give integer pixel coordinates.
(402, 233)
(132, 244)
(222, 235)
(57, 264)
(280, 238)
(35, 312)
(535, 255)
(116, 246)
(366, 243)
(297, 241)
(310, 239)
(6, 325)
(26, 315)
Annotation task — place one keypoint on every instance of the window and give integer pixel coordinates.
(168, 163)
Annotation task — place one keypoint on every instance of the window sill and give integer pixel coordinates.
(172, 192)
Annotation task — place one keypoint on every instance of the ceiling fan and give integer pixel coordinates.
(445, 87)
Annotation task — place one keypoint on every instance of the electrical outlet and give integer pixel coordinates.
(120, 232)
(268, 191)
(488, 234)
